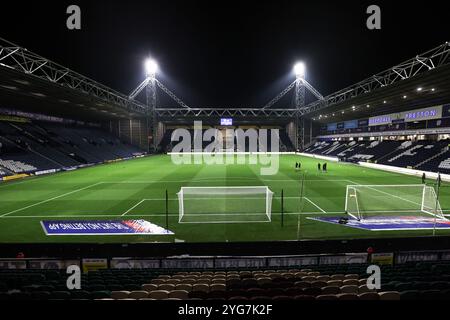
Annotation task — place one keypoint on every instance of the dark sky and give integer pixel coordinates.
(226, 53)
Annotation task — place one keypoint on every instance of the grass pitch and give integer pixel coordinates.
(136, 189)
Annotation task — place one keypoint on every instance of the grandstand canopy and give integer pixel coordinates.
(408, 94)
(27, 93)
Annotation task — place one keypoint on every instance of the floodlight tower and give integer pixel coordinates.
(151, 67)
(300, 71)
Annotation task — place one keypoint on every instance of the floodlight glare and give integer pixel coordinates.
(151, 66)
(299, 69)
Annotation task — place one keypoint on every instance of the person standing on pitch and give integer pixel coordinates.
(299, 166)
(424, 177)
(324, 167)
(318, 166)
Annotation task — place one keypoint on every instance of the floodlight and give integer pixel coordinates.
(299, 69)
(151, 67)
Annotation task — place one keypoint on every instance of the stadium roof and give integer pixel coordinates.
(422, 81)
(31, 82)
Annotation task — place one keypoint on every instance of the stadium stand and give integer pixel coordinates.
(285, 144)
(31, 147)
(410, 281)
(425, 155)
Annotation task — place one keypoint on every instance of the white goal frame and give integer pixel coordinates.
(264, 190)
(351, 190)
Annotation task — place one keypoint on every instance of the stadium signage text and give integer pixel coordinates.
(252, 145)
(122, 227)
(408, 116)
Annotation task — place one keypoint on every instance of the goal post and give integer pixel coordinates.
(366, 201)
(225, 204)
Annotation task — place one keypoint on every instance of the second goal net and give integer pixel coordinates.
(225, 204)
(366, 201)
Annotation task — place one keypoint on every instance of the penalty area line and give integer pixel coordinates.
(315, 205)
(51, 199)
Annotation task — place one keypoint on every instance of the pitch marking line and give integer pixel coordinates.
(151, 215)
(51, 199)
(218, 179)
(315, 205)
(238, 198)
(137, 204)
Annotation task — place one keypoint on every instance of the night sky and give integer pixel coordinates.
(226, 53)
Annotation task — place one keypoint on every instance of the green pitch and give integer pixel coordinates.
(136, 190)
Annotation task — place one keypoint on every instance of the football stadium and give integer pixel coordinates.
(147, 195)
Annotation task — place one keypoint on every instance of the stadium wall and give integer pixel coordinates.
(227, 262)
(411, 172)
(315, 156)
(406, 171)
(131, 131)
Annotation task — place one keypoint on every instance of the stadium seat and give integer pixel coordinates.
(363, 289)
(347, 296)
(312, 291)
(138, 294)
(350, 282)
(304, 297)
(166, 287)
(217, 287)
(101, 294)
(237, 298)
(120, 294)
(330, 290)
(159, 294)
(318, 284)
(349, 289)
(303, 284)
(327, 297)
(149, 287)
(184, 286)
(200, 287)
(369, 296)
(390, 295)
(334, 283)
(179, 294)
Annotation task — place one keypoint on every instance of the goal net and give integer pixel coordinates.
(365, 201)
(225, 204)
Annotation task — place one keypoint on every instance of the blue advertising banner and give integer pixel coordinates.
(102, 227)
(353, 124)
(332, 126)
(386, 223)
(363, 122)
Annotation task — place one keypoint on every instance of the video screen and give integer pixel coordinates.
(226, 122)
